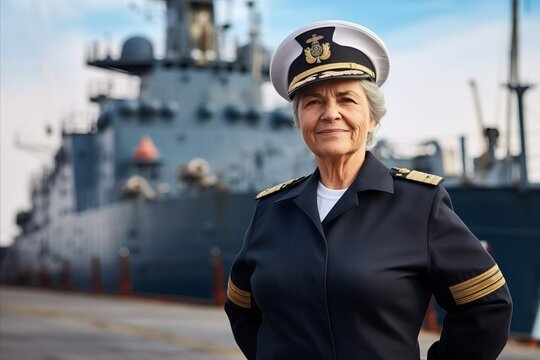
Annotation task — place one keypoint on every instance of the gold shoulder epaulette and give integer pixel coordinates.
(277, 188)
(417, 176)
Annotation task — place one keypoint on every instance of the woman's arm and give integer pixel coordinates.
(469, 285)
(243, 313)
(245, 324)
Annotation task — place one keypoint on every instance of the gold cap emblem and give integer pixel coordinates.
(317, 51)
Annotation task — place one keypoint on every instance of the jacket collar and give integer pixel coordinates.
(301, 187)
(373, 175)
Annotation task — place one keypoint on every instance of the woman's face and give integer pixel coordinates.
(334, 118)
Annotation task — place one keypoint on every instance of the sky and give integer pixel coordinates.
(436, 47)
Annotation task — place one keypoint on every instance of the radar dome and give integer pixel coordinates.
(137, 48)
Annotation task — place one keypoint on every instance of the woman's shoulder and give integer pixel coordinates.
(417, 190)
(280, 187)
(415, 176)
(416, 185)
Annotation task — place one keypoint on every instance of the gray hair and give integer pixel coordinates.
(375, 97)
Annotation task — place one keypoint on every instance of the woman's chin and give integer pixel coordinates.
(334, 153)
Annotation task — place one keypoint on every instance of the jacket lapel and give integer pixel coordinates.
(307, 201)
(347, 201)
(373, 175)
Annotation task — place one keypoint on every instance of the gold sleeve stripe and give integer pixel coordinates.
(240, 302)
(482, 293)
(238, 290)
(475, 280)
(478, 286)
(237, 296)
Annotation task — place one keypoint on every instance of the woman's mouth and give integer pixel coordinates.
(331, 131)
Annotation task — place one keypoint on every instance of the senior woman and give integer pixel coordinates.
(341, 264)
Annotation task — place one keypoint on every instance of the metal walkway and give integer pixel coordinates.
(39, 325)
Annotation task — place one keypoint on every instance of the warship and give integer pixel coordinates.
(155, 198)
(162, 186)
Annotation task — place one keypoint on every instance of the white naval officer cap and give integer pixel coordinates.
(326, 50)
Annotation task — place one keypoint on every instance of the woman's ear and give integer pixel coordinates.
(372, 124)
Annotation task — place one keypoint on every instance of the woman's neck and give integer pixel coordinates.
(340, 172)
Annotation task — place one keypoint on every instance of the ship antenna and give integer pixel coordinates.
(177, 38)
(520, 89)
(255, 52)
(145, 11)
(190, 31)
(221, 32)
(484, 159)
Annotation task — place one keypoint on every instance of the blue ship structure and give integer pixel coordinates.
(156, 197)
(164, 180)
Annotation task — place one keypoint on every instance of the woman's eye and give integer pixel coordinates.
(348, 100)
(313, 102)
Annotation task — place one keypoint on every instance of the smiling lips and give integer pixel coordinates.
(331, 131)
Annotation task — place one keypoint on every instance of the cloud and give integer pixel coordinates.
(44, 80)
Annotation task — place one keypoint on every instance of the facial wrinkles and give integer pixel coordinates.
(336, 105)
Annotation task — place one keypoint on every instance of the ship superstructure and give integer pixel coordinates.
(164, 182)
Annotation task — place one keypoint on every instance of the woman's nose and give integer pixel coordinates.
(330, 112)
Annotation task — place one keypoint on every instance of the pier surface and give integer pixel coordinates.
(38, 325)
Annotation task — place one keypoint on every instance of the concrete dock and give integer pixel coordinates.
(39, 325)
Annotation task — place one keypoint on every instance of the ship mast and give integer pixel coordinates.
(190, 30)
(255, 53)
(519, 89)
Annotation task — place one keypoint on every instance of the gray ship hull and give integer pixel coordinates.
(167, 247)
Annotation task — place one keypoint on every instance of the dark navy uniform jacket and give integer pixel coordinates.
(357, 285)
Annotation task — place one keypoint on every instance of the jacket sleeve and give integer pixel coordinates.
(243, 313)
(469, 285)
